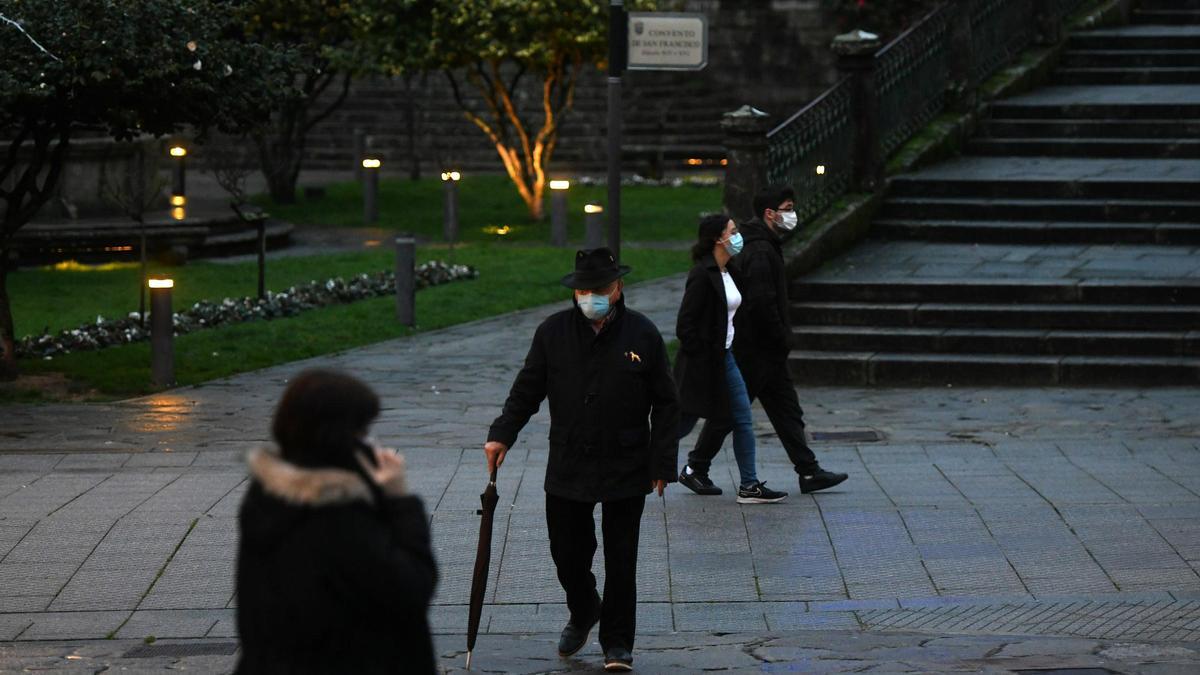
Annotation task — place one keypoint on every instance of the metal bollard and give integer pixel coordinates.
(162, 332)
(370, 167)
(450, 205)
(406, 282)
(558, 212)
(593, 218)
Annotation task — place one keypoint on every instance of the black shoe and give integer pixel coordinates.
(617, 660)
(820, 480)
(698, 483)
(575, 635)
(759, 494)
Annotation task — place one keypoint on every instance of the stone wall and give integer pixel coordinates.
(771, 54)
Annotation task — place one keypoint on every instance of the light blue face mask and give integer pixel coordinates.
(593, 305)
(734, 245)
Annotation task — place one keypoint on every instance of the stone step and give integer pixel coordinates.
(1050, 316)
(891, 369)
(995, 341)
(1169, 4)
(1105, 102)
(1146, 148)
(1067, 187)
(1000, 291)
(1172, 17)
(1070, 128)
(1130, 58)
(1098, 111)
(1136, 75)
(1034, 232)
(1074, 210)
(1138, 38)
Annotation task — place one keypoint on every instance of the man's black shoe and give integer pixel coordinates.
(698, 483)
(618, 660)
(820, 480)
(575, 635)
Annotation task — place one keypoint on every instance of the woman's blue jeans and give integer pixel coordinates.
(743, 423)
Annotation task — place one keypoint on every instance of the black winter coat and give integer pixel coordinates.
(763, 324)
(613, 412)
(329, 581)
(701, 326)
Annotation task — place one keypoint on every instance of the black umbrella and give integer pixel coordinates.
(483, 562)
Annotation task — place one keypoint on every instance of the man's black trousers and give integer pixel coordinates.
(772, 385)
(573, 544)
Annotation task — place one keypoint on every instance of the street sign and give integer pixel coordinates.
(668, 41)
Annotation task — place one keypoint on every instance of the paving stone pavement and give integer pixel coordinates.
(995, 514)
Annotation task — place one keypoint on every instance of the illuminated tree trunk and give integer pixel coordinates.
(525, 156)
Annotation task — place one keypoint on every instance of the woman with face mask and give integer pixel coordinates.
(710, 384)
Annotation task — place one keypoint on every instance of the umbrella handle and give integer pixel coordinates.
(492, 480)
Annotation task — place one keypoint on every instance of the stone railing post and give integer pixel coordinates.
(746, 151)
(856, 58)
(962, 89)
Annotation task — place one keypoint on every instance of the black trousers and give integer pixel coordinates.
(573, 544)
(771, 384)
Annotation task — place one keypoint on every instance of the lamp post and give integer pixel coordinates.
(162, 332)
(593, 219)
(450, 204)
(558, 211)
(370, 167)
(178, 182)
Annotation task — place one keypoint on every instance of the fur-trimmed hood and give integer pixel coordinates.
(302, 486)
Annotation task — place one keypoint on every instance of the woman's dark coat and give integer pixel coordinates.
(328, 581)
(701, 328)
(613, 413)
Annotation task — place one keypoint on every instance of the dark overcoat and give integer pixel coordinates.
(613, 410)
(329, 580)
(701, 328)
(763, 323)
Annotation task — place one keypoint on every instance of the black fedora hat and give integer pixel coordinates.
(594, 268)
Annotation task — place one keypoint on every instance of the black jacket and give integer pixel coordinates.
(613, 413)
(701, 326)
(329, 581)
(763, 326)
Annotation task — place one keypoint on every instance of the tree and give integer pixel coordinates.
(335, 42)
(123, 68)
(492, 45)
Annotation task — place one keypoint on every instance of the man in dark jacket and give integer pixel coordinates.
(613, 424)
(763, 340)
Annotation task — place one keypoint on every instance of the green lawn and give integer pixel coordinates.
(511, 278)
(490, 202)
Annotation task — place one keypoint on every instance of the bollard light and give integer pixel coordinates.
(558, 212)
(178, 176)
(450, 205)
(593, 225)
(406, 283)
(162, 332)
(371, 167)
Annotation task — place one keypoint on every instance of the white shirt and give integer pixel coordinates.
(733, 298)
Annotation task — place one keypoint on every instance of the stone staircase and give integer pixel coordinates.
(1063, 248)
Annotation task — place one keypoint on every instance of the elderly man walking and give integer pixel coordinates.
(613, 424)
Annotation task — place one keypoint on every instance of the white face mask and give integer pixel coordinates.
(787, 221)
